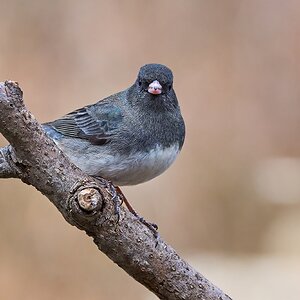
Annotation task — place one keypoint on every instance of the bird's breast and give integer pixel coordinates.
(144, 166)
(130, 169)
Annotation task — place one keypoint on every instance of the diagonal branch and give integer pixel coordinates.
(86, 204)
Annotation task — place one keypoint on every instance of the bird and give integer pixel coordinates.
(129, 137)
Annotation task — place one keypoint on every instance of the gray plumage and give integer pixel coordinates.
(129, 137)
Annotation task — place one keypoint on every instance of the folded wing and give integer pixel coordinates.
(96, 123)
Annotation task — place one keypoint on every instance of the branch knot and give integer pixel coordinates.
(86, 201)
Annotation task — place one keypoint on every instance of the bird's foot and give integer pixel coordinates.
(112, 190)
(118, 198)
(152, 226)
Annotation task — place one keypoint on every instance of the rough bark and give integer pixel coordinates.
(87, 204)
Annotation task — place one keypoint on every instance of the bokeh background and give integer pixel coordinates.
(230, 204)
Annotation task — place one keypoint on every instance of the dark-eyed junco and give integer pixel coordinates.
(129, 137)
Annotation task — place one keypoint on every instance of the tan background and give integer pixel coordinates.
(231, 202)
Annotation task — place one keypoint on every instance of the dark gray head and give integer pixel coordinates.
(154, 87)
(156, 79)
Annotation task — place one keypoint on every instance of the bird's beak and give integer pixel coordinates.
(155, 88)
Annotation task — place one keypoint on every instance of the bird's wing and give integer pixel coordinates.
(96, 123)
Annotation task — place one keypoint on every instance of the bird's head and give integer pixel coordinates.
(155, 79)
(153, 89)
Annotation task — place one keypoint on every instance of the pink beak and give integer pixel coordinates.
(154, 88)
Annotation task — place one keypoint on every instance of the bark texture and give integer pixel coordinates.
(87, 204)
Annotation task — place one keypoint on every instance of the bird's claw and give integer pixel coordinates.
(152, 226)
(117, 200)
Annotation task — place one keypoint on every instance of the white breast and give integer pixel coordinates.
(127, 170)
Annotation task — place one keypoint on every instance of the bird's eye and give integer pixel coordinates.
(170, 87)
(140, 83)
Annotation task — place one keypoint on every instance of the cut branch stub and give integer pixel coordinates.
(86, 199)
(89, 199)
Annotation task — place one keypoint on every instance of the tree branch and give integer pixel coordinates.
(86, 204)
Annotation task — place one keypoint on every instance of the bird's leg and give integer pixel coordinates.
(152, 226)
(118, 198)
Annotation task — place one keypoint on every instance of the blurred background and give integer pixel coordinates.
(230, 205)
